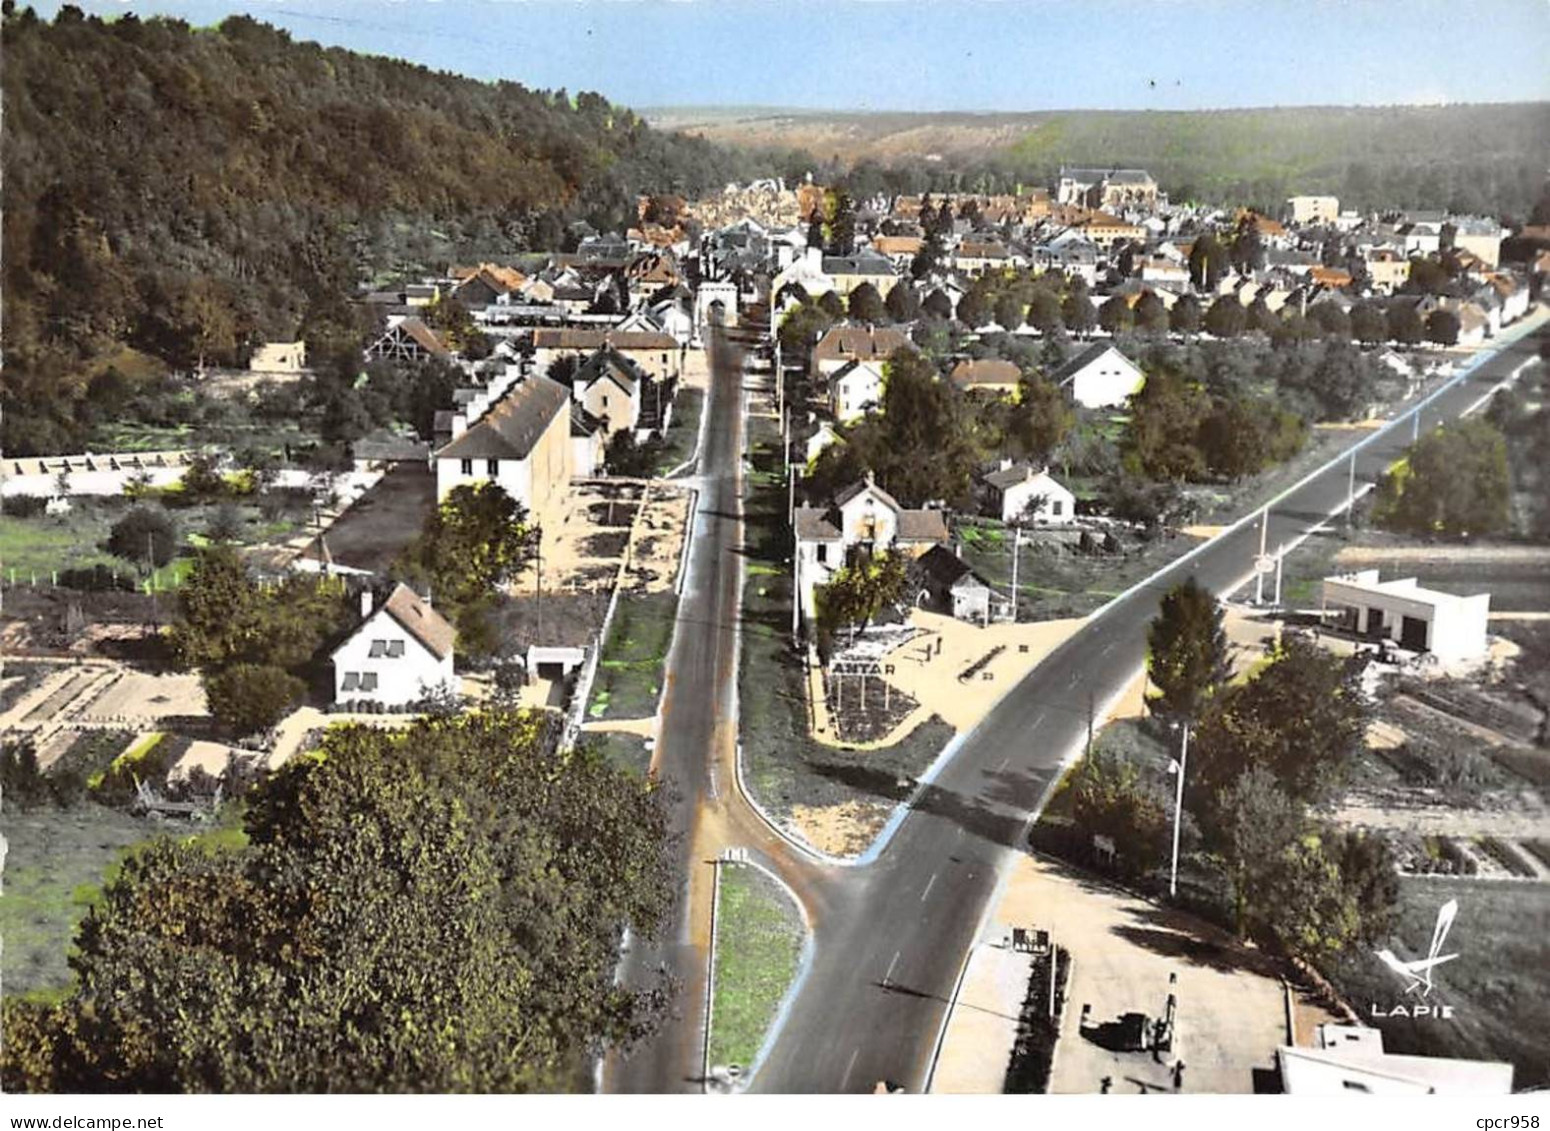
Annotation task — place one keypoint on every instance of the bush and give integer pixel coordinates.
(249, 698)
(144, 761)
(145, 530)
(23, 506)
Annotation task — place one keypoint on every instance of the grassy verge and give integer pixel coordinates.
(56, 863)
(629, 676)
(783, 765)
(1499, 987)
(678, 442)
(759, 936)
(627, 751)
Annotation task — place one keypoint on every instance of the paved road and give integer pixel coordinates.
(697, 714)
(889, 947)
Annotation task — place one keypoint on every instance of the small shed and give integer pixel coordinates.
(942, 582)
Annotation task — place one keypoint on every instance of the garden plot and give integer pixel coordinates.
(608, 532)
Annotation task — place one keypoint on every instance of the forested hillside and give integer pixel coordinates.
(184, 190)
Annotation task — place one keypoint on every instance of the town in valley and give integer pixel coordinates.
(504, 593)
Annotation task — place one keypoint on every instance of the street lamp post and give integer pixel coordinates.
(1178, 809)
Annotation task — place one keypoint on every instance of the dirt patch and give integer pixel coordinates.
(609, 544)
(840, 830)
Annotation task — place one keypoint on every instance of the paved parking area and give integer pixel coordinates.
(1232, 1012)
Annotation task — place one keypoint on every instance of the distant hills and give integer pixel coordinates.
(1489, 158)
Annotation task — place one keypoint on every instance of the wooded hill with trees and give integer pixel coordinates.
(186, 191)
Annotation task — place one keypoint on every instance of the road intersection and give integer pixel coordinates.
(891, 930)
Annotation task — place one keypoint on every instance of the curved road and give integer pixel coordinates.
(891, 936)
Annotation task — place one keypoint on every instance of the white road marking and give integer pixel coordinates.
(1107, 648)
(891, 965)
(929, 884)
(845, 1079)
(1003, 765)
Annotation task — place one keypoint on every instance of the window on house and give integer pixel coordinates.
(1056, 507)
(368, 681)
(352, 681)
(467, 467)
(377, 650)
(823, 553)
(492, 467)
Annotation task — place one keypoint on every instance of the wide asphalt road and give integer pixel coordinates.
(890, 936)
(697, 700)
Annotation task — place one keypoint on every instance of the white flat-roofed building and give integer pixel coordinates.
(1414, 617)
(1349, 1059)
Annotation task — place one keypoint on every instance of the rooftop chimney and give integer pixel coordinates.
(366, 602)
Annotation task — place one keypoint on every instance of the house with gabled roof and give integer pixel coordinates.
(400, 653)
(849, 342)
(657, 353)
(609, 386)
(986, 375)
(407, 339)
(855, 389)
(863, 516)
(522, 442)
(1100, 377)
(1025, 492)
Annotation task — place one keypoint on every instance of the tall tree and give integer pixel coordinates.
(866, 305)
(1453, 483)
(437, 909)
(1187, 651)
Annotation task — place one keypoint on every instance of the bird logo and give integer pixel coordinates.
(1417, 974)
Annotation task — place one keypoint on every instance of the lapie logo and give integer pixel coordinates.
(1417, 973)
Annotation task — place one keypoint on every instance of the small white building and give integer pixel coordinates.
(819, 441)
(855, 389)
(1025, 493)
(1350, 1059)
(1415, 618)
(401, 653)
(1100, 377)
(278, 357)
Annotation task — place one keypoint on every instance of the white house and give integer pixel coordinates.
(1023, 492)
(862, 515)
(586, 442)
(820, 440)
(1416, 618)
(523, 442)
(401, 653)
(1100, 377)
(608, 385)
(855, 389)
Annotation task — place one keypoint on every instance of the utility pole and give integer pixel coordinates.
(1350, 490)
(1017, 541)
(1415, 425)
(1178, 813)
(1259, 574)
(539, 633)
(1280, 558)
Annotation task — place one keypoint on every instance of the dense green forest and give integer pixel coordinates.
(183, 191)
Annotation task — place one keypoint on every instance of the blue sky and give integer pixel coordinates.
(945, 54)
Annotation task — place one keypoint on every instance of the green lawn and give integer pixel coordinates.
(627, 751)
(759, 936)
(56, 862)
(629, 676)
(1499, 986)
(678, 443)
